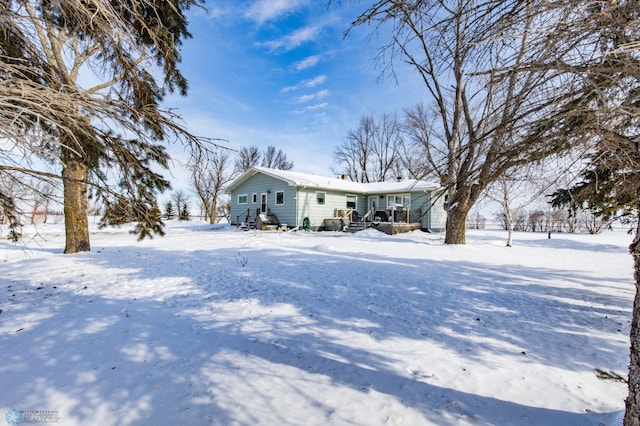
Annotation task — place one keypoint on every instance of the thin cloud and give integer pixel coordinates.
(314, 82)
(309, 62)
(268, 10)
(309, 108)
(306, 84)
(312, 97)
(294, 39)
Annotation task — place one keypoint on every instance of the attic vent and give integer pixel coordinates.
(399, 178)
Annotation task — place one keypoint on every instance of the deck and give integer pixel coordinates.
(390, 228)
(395, 228)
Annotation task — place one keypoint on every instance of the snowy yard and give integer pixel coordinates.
(210, 325)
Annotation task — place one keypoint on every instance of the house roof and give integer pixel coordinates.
(303, 180)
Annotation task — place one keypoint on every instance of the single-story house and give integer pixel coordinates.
(312, 202)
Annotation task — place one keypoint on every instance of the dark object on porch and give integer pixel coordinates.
(380, 216)
(267, 222)
(398, 214)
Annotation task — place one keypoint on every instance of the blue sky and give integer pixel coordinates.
(279, 72)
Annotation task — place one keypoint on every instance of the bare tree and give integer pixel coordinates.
(271, 157)
(353, 155)
(97, 133)
(370, 152)
(525, 187)
(386, 145)
(180, 199)
(276, 159)
(476, 220)
(247, 158)
(44, 193)
(471, 131)
(224, 208)
(413, 154)
(536, 220)
(514, 192)
(599, 42)
(209, 174)
(591, 50)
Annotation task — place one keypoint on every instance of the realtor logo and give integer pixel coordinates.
(13, 417)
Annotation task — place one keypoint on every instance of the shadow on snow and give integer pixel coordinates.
(132, 359)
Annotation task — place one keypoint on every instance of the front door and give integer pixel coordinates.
(373, 200)
(263, 203)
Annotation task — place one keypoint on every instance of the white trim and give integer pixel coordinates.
(254, 198)
(264, 196)
(346, 201)
(243, 195)
(402, 197)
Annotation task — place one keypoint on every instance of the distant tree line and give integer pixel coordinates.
(545, 221)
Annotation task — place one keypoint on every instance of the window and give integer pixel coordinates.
(399, 199)
(320, 197)
(279, 198)
(243, 199)
(254, 198)
(351, 201)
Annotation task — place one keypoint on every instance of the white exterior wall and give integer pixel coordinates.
(334, 201)
(438, 213)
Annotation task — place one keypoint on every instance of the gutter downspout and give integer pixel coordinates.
(297, 201)
(298, 222)
(427, 214)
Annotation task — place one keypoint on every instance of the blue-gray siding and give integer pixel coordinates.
(262, 184)
(300, 203)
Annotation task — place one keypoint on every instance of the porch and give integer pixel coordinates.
(262, 221)
(391, 222)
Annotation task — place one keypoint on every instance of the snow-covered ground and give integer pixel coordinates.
(212, 325)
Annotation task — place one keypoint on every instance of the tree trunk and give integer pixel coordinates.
(75, 174)
(213, 215)
(456, 228)
(509, 219)
(508, 214)
(632, 415)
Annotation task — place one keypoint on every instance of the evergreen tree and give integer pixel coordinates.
(169, 212)
(606, 190)
(185, 214)
(115, 124)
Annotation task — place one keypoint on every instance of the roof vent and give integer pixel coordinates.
(399, 179)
